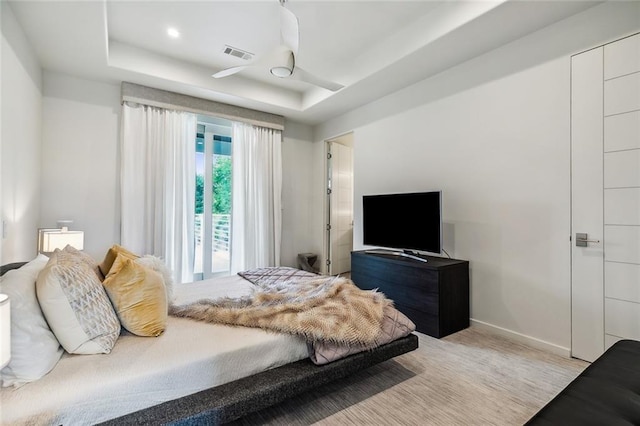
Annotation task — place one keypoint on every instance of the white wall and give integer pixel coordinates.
(505, 184)
(21, 116)
(297, 192)
(493, 134)
(80, 168)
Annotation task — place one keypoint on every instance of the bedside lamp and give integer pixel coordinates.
(51, 239)
(5, 330)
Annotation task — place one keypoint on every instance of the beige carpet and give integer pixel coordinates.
(470, 378)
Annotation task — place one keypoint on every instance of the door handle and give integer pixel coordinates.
(583, 241)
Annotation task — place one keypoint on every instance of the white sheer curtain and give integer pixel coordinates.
(256, 217)
(158, 185)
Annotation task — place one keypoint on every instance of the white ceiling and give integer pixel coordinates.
(373, 48)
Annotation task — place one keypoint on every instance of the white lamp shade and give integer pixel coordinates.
(5, 330)
(52, 240)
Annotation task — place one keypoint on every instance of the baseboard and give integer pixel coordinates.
(523, 338)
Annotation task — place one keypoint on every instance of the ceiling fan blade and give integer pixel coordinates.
(302, 75)
(229, 71)
(289, 29)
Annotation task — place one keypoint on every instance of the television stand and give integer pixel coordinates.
(434, 295)
(397, 253)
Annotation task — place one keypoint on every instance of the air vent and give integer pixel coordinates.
(238, 53)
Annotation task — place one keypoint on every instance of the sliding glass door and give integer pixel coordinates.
(213, 198)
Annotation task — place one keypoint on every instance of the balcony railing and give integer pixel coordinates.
(220, 242)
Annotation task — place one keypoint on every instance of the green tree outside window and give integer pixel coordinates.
(221, 188)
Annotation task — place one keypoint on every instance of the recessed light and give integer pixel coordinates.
(173, 33)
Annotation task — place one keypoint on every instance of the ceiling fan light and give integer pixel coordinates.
(281, 72)
(173, 33)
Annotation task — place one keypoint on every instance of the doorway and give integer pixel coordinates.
(339, 202)
(212, 233)
(605, 197)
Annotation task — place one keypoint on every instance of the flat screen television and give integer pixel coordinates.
(407, 221)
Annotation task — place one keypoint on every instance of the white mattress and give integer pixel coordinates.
(143, 371)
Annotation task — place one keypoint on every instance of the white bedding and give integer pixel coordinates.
(143, 371)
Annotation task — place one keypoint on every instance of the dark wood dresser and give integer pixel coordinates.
(434, 295)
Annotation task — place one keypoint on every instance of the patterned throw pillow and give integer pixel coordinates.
(76, 305)
(139, 296)
(85, 258)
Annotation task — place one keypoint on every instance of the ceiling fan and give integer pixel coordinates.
(282, 60)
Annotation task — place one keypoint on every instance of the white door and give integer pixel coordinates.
(340, 226)
(605, 174)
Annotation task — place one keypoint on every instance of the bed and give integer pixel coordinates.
(193, 373)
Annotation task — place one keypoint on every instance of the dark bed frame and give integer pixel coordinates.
(230, 401)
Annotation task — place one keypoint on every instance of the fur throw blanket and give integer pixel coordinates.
(330, 309)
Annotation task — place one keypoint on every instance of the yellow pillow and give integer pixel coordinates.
(112, 253)
(138, 296)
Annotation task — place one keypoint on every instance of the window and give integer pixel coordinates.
(213, 198)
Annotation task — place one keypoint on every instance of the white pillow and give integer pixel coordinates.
(34, 348)
(76, 305)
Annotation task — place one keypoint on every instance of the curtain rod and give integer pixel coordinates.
(150, 96)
